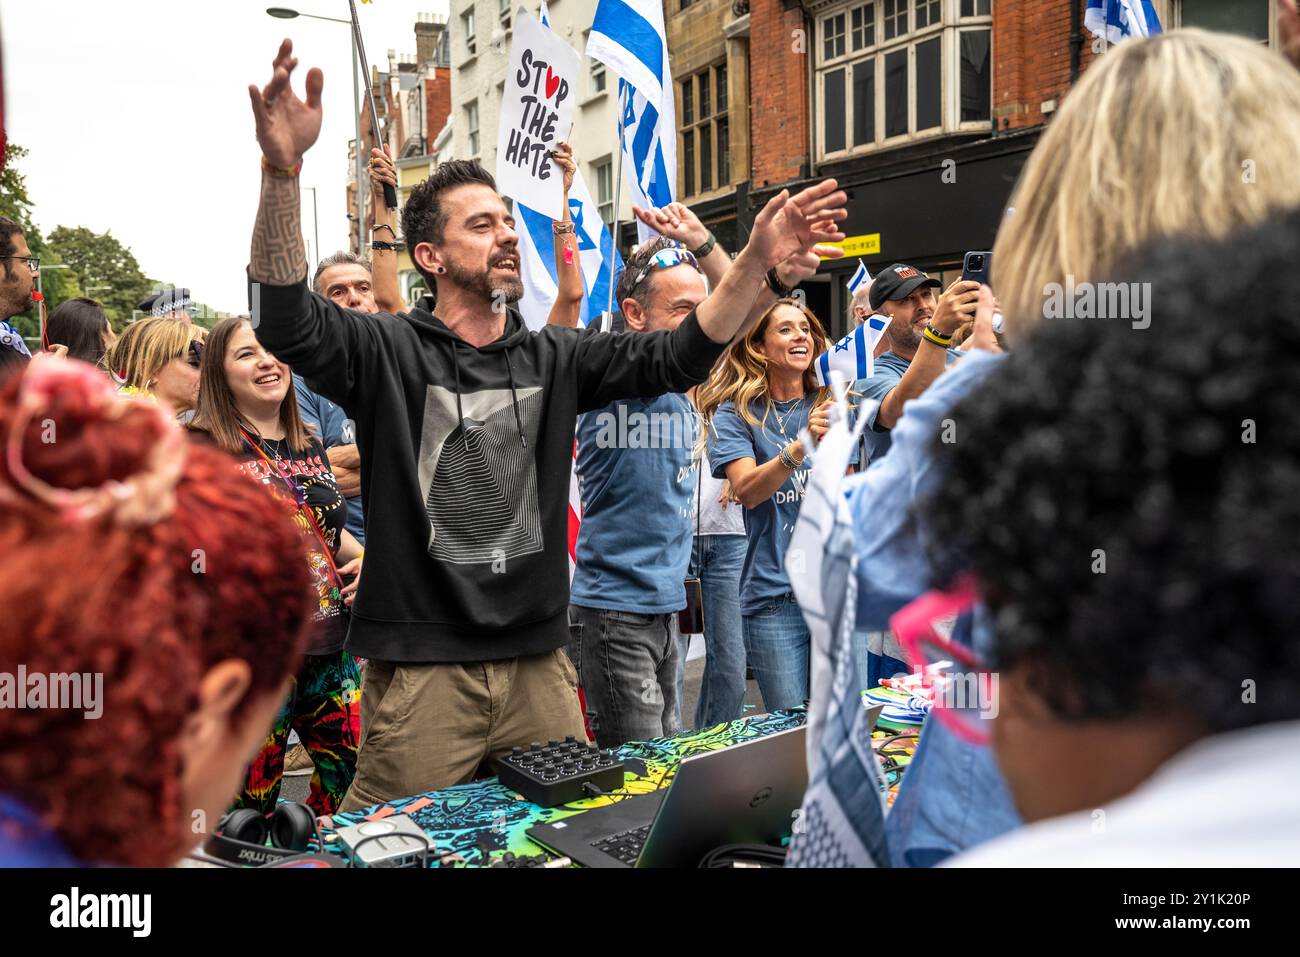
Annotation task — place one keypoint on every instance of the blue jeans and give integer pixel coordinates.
(716, 561)
(629, 672)
(778, 644)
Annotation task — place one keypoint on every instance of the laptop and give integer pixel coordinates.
(743, 794)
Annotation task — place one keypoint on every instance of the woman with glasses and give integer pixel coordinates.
(81, 326)
(248, 407)
(762, 394)
(159, 358)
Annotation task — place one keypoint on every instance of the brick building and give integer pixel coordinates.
(924, 110)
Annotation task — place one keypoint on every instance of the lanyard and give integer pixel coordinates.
(301, 504)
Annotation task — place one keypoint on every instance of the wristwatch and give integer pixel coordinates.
(380, 244)
(561, 229)
(707, 246)
(776, 285)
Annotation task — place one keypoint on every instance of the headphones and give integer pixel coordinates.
(241, 835)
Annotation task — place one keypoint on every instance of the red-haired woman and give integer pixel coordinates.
(248, 407)
(178, 674)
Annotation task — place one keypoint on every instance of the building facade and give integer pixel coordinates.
(924, 110)
(481, 33)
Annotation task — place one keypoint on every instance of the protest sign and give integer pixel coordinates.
(536, 114)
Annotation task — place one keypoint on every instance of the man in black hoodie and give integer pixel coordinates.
(465, 423)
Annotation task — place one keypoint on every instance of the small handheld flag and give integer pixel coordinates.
(859, 277)
(852, 355)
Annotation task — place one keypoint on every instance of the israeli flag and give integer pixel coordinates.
(1117, 20)
(628, 36)
(596, 253)
(852, 355)
(860, 276)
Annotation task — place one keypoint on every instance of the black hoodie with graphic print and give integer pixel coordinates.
(465, 459)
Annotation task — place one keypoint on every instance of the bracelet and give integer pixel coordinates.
(380, 244)
(561, 229)
(776, 285)
(378, 226)
(282, 172)
(937, 337)
(787, 459)
(707, 246)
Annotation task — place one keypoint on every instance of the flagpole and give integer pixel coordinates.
(618, 195)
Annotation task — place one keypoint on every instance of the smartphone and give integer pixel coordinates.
(690, 620)
(978, 266)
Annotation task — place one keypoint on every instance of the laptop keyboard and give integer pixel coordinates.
(625, 847)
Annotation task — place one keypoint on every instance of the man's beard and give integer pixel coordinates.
(902, 336)
(12, 304)
(505, 289)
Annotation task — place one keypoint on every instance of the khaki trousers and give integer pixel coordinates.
(428, 726)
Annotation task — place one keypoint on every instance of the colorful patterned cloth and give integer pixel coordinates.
(475, 824)
(324, 708)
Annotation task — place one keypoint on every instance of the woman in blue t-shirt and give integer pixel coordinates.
(763, 392)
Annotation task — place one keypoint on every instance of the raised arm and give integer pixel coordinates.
(787, 227)
(286, 129)
(383, 262)
(300, 328)
(567, 308)
(676, 221)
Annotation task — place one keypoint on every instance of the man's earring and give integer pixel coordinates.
(439, 270)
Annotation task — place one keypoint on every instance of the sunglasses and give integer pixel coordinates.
(665, 259)
(965, 691)
(194, 356)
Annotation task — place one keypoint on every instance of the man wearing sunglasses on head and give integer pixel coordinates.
(17, 282)
(465, 422)
(638, 476)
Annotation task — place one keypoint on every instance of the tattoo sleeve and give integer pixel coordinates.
(278, 257)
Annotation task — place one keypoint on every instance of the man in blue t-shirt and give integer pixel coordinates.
(637, 475)
(919, 334)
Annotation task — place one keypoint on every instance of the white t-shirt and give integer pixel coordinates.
(1231, 800)
(713, 518)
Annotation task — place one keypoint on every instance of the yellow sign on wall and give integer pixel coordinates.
(865, 245)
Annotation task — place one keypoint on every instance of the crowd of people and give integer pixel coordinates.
(219, 490)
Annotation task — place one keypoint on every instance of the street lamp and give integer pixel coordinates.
(285, 13)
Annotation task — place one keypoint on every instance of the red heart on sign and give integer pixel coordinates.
(552, 83)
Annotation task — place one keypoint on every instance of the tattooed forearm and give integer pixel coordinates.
(278, 257)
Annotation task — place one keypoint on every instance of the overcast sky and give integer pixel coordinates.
(137, 117)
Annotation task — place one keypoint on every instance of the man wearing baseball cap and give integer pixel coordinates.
(918, 335)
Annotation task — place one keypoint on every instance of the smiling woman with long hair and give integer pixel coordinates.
(247, 406)
(762, 394)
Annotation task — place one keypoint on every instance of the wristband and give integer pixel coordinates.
(707, 246)
(282, 172)
(561, 229)
(787, 459)
(776, 285)
(937, 337)
(380, 244)
(379, 226)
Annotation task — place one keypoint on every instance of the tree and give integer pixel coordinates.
(58, 285)
(106, 267)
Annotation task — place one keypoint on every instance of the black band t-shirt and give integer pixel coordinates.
(313, 483)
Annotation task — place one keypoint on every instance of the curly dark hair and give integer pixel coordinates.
(1169, 457)
(423, 217)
